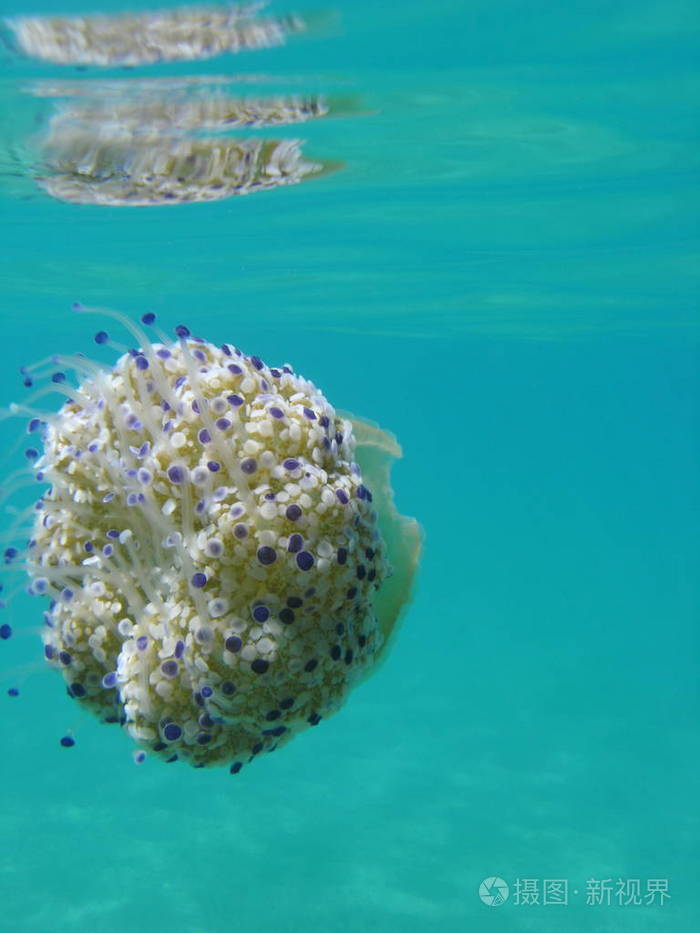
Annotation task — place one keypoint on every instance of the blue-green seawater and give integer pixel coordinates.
(504, 274)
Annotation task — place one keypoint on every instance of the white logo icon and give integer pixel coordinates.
(493, 891)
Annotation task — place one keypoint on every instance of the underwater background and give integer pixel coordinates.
(502, 270)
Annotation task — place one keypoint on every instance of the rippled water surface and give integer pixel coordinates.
(498, 263)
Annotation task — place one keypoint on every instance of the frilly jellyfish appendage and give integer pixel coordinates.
(375, 452)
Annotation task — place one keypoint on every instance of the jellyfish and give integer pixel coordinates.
(219, 546)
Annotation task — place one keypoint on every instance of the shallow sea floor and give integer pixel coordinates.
(503, 272)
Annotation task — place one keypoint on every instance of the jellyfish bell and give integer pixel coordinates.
(219, 546)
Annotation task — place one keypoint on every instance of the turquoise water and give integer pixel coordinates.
(504, 274)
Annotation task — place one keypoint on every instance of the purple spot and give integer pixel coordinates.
(296, 543)
(182, 331)
(142, 642)
(261, 613)
(67, 741)
(293, 512)
(172, 732)
(64, 658)
(233, 644)
(204, 436)
(101, 336)
(309, 414)
(277, 412)
(199, 580)
(213, 466)
(179, 649)
(5, 631)
(223, 424)
(163, 353)
(290, 464)
(109, 680)
(304, 560)
(257, 362)
(342, 555)
(169, 668)
(235, 400)
(148, 318)
(176, 474)
(267, 555)
(342, 496)
(249, 465)
(259, 665)
(235, 369)
(141, 362)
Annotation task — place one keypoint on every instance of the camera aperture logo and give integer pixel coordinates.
(493, 891)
